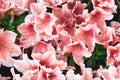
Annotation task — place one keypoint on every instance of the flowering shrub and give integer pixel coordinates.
(59, 40)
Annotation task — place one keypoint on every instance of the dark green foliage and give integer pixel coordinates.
(98, 58)
(20, 19)
(4, 21)
(8, 24)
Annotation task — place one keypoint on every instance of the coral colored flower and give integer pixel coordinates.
(78, 50)
(67, 19)
(116, 26)
(103, 3)
(110, 74)
(4, 78)
(25, 4)
(37, 8)
(62, 39)
(107, 5)
(49, 60)
(86, 72)
(71, 29)
(71, 76)
(105, 37)
(79, 7)
(40, 47)
(29, 37)
(87, 35)
(28, 64)
(99, 16)
(49, 74)
(44, 23)
(8, 48)
(52, 3)
(113, 53)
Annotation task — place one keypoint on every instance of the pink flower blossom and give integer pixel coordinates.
(113, 54)
(29, 36)
(8, 48)
(111, 73)
(49, 74)
(71, 76)
(25, 4)
(41, 47)
(87, 35)
(4, 78)
(43, 74)
(62, 39)
(99, 16)
(76, 6)
(49, 60)
(52, 3)
(44, 23)
(28, 64)
(116, 26)
(78, 50)
(108, 5)
(105, 37)
(37, 8)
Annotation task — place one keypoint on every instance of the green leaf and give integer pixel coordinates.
(4, 21)
(11, 26)
(100, 53)
(90, 62)
(100, 47)
(20, 19)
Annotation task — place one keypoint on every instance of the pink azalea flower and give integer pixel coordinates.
(110, 74)
(37, 8)
(5, 6)
(29, 19)
(4, 78)
(113, 53)
(28, 64)
(105, 37)
(41, 47)
(108, 5)
(71, 76)
(62, 39)
(71, 29)
(115, 25)
(99, 16)
(79, 7)
(10, 5)
(29, 37)
(86, 72)
(8, 48)
(43, 74)
(116, 35)
(48, 59)
(78, 50)
(44, 23)
(87, 35)
(69, 18)
(25, 4)
(49, 74)
(103, 3)
(52, 3)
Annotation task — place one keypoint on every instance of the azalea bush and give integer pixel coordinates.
(59, 39)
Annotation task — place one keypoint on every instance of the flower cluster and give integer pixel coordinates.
(59, 39)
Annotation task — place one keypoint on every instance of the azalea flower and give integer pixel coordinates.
(78, 50)
(113, 54)
(8, 48)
